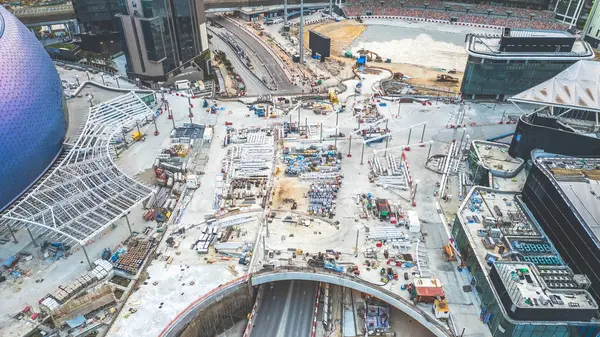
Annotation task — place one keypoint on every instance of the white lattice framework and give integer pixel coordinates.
(85, 191)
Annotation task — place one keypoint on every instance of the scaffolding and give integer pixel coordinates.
(84, 192)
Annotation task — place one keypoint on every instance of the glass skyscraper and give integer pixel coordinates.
(161, 36)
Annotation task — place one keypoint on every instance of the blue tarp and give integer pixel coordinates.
(8, 262)
(361, 60)
(75, 322)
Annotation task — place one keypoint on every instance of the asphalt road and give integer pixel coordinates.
(253, 85)
(286, 310)
(267, 59)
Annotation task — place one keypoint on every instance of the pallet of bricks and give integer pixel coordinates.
(136, 253)
(65, 292)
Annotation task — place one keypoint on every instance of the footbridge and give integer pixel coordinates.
(182, 320)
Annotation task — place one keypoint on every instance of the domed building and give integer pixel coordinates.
(33, 111)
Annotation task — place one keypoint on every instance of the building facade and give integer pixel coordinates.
(591, 31)
(33, 112)
(561, 191)
(501, 66)
(518, 279)
(161, 37)
(97, 25)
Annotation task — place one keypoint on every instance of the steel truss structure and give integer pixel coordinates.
(84, 192)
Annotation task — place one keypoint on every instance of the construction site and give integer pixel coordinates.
(320, 200)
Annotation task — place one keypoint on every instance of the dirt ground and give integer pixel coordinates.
(342, 35)
(423, 76)
(289, 187)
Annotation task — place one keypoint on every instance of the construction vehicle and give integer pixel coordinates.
(333, 98)
(371, 56)
(354, 270)
(446, 78)
(448, 252)
(441, 310)
(137, 136)
(333, 266)
(383, 208)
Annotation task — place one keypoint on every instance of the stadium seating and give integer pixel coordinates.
(483, 14)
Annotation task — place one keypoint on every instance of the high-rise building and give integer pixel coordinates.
(97, 24)
(162, 37)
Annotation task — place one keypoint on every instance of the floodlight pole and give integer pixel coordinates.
(301, 31)
(285, 12)
(362, 153)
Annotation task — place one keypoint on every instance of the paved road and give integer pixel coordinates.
(262, 53)
(253, 85)
(286, 310)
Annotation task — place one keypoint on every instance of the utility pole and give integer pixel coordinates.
(321, 132)
(349, 145)
(267, 226)
(362, 153)
(356, 246)
(285, 13)
(337, 116)
(423, 133)
(409, 134)
(429, 152)
(330, 8)
(301, 31)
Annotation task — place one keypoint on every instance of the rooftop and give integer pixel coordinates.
(488, 46)
(495, 157)
(578, 179)
(577, 87)
(527, 288)
(504, 237)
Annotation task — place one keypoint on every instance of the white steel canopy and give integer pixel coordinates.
(85, 191)
(577, 87)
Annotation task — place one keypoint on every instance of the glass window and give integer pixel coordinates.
(147, 9)
(518, 330)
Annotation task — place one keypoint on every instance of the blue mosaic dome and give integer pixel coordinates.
(33, 113)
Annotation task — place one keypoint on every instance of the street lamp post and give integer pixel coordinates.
(117, 79)
(77, 79)
(102, 76)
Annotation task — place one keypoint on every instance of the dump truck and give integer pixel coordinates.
(383, 208)
(446, 78)
(441, 310)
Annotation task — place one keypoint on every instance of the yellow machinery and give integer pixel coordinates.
(137, 136)
(449, 252)
(333, 98)
(441, 310)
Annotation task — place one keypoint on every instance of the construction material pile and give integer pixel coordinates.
(390, 172)
(133, 259)
(312, 163)
(322, 198)
(63, 293)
